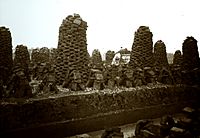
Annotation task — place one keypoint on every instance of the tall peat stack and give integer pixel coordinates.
(160, 54)
(22, 58)
(178, 58)
(6, 60)
(72, 48)
(142, 48)
(190, 54)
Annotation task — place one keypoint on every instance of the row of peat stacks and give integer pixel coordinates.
(70, 65)
(184, 125)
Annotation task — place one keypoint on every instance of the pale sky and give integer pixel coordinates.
(111, 23)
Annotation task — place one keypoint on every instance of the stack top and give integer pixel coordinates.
(190, 39)
(75, 19)
(160, 41)
(18, 46)
(143, 28)
(178, 52)
(3, 28)
(159, 44)
(124, 51)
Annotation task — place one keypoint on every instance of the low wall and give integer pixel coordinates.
(89, 111)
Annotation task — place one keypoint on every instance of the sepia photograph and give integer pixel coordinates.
(99, 69)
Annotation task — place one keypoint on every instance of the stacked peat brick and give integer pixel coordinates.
(160, 55)
(142, 48)
(6, 60)
(22, 59)
(72, 48)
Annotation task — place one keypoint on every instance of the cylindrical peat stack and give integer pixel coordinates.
(142, 48)
(96, 58)
(109, 56)
(6, 60)
(22, 59)
(178, 58)
(160, 54)
(190, 54)
(72, 48)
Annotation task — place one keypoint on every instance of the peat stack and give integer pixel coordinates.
(22, 59)
(142, 48)
(178, 58)
(44, 53)
(96, 58)
(35, 55)
(109, 56)
(72, 48)
(6, 60)
(190, 54)
(160, 55)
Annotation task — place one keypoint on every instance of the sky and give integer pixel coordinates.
(111, 23)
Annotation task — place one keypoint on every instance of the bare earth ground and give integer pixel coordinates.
(128, 130)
